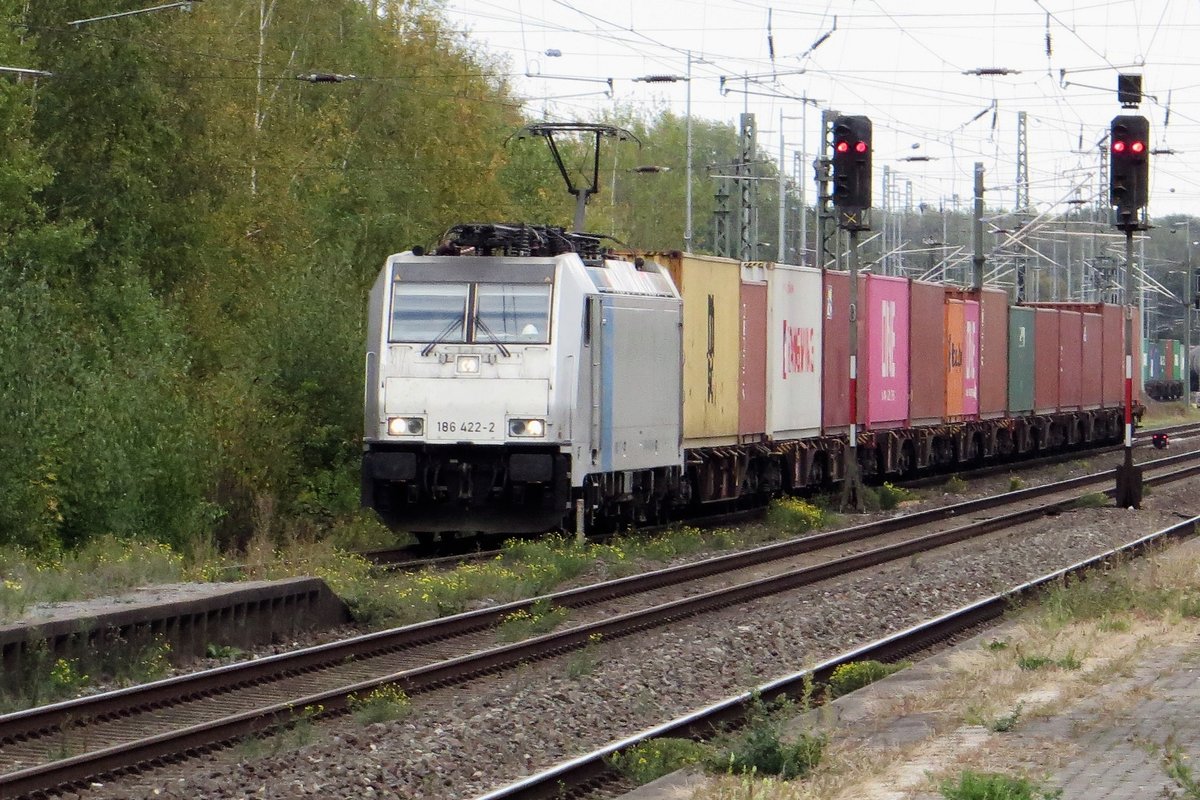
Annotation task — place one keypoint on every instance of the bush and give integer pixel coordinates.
(651, 760)
(794, 515)
(760, 749)
(891, 496)
(994, 786)
(857, 674)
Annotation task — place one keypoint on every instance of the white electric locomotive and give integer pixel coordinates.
(521, 379)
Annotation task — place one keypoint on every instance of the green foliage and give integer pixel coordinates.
(857, 674)
(1177, 769)
(890, 496)
(1091, 500)
(954, 485)
(1033, 662)
(381, 704)
(994, 786)
(794, 515)
(651, 760)
(1015, 483)
(540, 618)
(760, 749)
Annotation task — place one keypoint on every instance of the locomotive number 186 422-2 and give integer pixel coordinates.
(466, 427)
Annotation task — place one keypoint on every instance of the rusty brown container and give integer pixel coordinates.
(993, 353)
(927, 369)
(1070, 360)
(1045, 360)
(1112, 370)
(1093, 359)
(752, 403)
(835, 344)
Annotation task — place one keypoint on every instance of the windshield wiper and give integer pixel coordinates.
(441, 337)
(481, 325)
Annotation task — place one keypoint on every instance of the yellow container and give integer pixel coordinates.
(711, 290)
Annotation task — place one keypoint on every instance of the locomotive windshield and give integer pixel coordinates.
(440, 312)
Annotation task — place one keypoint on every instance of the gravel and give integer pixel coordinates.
(478, 736)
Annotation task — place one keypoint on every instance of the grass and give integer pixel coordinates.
(1091, 500)
(994, 786)
(381, 704)
(857, 674)
(891, 496)
(540, 618)
(793, 515)
(954, 485)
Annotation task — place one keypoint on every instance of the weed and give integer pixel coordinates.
(955, 485)
(382, 704)
(1069, 661)
(891, 496)
(759, 749)
(584, 661)
(225, 652)
(1091, 500)
(1015, 484)
(651, 760)
(1005, 723)
(1189, 606)
(1113, 623)
(1031, 663)
(857, 674)
(540, 618)
(996, 644)
(66, 678)
(794, 515)
(1179, 771)
(994, 786)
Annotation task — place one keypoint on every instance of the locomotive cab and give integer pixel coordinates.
(481, 391)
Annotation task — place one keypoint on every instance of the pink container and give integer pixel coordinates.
(886, 347)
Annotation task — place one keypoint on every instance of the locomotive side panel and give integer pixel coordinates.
(794, 352)
(1022, 333)
(927, 404)
(640, 378)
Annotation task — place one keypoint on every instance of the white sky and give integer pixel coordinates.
(900, 62)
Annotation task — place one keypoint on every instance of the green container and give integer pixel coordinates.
(1020, 360)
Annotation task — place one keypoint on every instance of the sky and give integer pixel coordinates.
(906, 64)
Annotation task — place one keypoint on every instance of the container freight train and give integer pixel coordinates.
(524, 379)
(1163, 364)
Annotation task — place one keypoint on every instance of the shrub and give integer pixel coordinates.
(383, 703)
(857, 674)
(794, 515)
(994, 786)
(651, 760)
(891, 496)
(760, 749)
(955, 485)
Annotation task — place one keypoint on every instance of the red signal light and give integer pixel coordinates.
(1137, 147)
(1118, 147)
(842, 147)
(861, 147)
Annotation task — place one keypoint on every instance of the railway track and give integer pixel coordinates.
(591, 774)
(73, 742)
(416, 557)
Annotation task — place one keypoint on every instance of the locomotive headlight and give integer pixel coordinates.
(406, 426)
(467, 365)
(527, 427)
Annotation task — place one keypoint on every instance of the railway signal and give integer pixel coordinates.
(1129, 187)
(852, 163)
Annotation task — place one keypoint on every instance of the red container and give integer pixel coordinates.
(1045, 361)
(752, 403)
(993, 352)
(953, 357)
(1070, 360)
(1093, 357)
(835, 351)
(927, 342)
(1112, 372)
